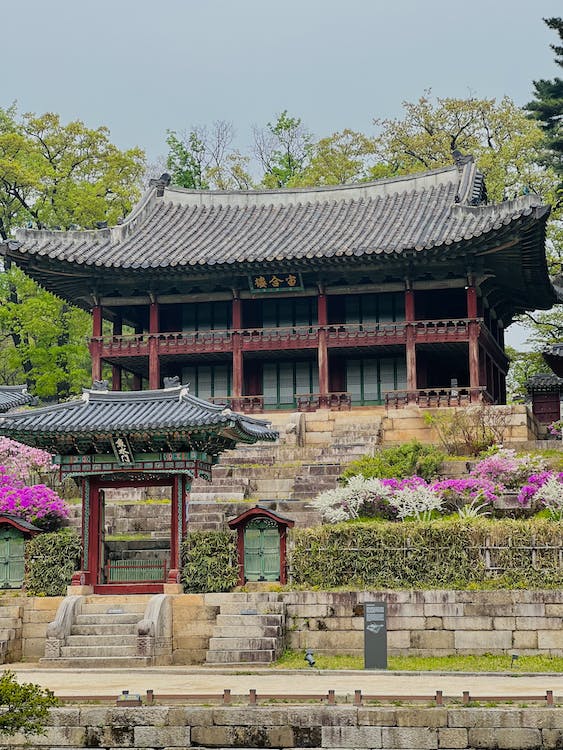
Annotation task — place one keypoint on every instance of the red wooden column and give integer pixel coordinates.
(473, 342)
(411, 342)
(322, 319)
(238, 371)
(154, 364)
(176, 502)
(96, 346)
(116, 370)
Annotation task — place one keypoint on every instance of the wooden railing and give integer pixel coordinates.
(136, 571)
(338, 401)
(295, 337)
(430, 397)
(245, 404)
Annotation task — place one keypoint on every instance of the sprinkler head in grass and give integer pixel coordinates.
(309, 657)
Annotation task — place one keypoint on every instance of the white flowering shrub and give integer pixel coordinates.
(551, 495)
(416, 502)
(346, 502)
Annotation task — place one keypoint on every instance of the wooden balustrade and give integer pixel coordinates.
(336, 401)
(294, 337)
(244, 404)
(437, 397)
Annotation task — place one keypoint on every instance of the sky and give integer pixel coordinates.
(141, 67)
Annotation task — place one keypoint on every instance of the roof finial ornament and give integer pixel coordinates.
(173, 382)
(100, 385)
(461, 159)
(160, 183)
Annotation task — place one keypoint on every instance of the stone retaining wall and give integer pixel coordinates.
(309, 726)
(430, 623)
(424, 623)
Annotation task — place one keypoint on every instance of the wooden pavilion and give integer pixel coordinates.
(110, 440)
(392, 292)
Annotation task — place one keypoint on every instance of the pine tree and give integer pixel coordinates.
(547, 108)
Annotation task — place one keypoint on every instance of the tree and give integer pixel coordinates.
(282, 148)
(204, 158)
(340, 158)
(26, 706)
(506, 144)
(54, 175)
(522, 366)
(44, 338)
(547, 108)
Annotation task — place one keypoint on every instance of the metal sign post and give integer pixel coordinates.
(375, 635)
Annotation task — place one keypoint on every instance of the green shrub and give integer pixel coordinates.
(404, 461)
(446, 553)
(24, 707)
(51, 559)
(209, 561)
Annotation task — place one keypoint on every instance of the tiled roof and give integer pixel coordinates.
(183, 228)
(106, 413)
(554, 358)
(12, 396)
(544, 382)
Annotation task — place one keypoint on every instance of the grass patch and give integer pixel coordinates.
(454, 663)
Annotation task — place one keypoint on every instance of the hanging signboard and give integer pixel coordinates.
(275, 282)
(122, 450)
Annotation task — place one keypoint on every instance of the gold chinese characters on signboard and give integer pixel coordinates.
(275, 282)
(122, 450)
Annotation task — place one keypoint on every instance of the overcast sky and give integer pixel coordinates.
(142, 66)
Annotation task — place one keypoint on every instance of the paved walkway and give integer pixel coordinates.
(194, 680)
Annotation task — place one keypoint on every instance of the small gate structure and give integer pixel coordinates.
(13, 533)
(545, 391)
(115, 439)
(261, 545)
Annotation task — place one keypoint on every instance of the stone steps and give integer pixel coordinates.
(105, 639)
(99, 662)
(102, 629)
(251, 631)
(241, 657)
(99, 649)
(247, 630)
(129, 618)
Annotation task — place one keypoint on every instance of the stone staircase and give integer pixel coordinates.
(247, 631)
(301, 464)
(101, 631)
(11, 625)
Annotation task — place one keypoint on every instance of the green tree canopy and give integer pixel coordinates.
(547, 108)
(54, 175)
(203, 158)
(282, 149)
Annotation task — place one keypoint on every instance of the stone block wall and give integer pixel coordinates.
(27, 642)
(404, 424)
(193, 623)
(430, 623)
(299, 726)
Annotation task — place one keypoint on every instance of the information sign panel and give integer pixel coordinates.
(375, 635)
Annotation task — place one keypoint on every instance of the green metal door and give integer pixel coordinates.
(262, 550)
(11, 558)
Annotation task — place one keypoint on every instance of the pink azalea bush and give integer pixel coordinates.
(456, 492)
(23, 462)
(506, 470)
(534, 490)
(37, 504)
